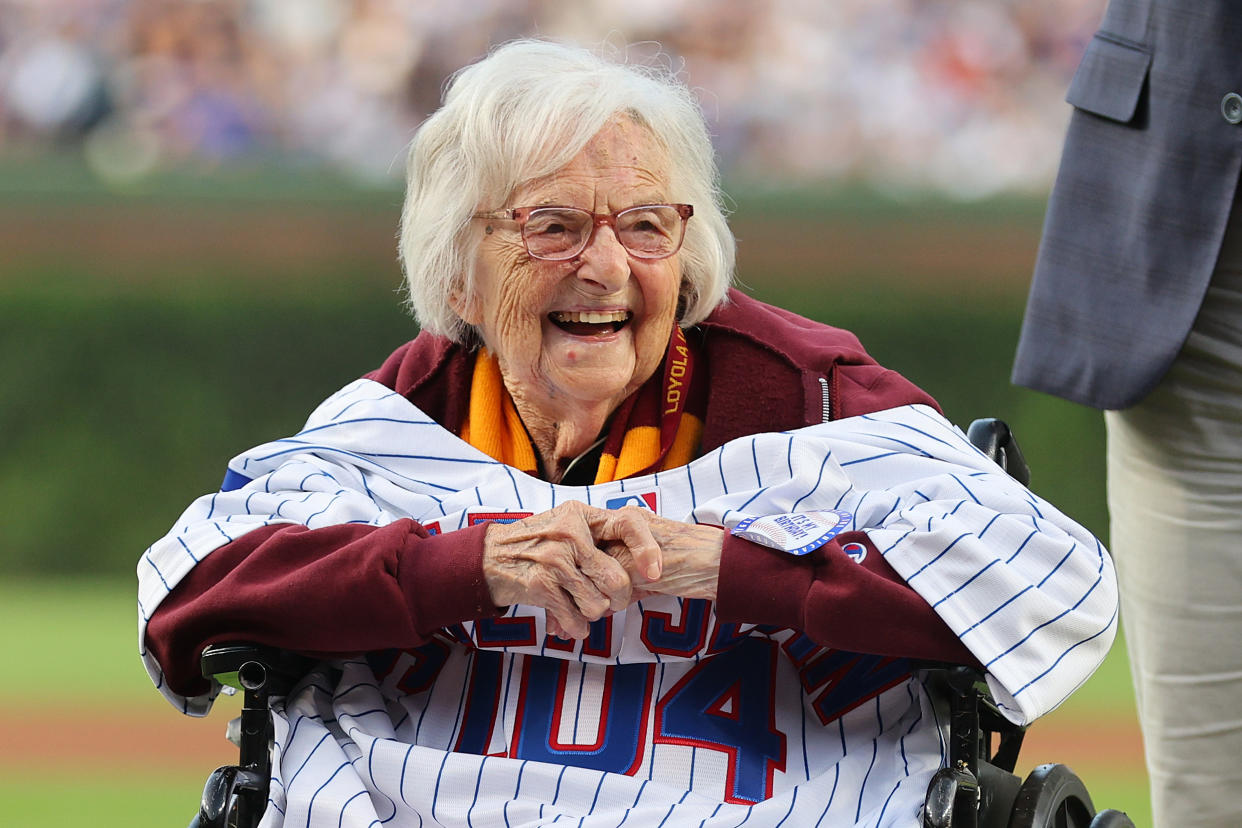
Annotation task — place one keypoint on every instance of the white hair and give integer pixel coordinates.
(522, 113)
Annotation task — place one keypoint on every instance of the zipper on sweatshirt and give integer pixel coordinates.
(823, 387)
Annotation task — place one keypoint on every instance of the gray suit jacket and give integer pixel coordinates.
(1137, 213)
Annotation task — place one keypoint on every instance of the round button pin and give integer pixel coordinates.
(1231, 107)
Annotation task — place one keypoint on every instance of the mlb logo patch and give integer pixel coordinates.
(643, 500)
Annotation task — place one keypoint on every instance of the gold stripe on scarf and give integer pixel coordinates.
(492, 423)
(652, 429)
(641, 447)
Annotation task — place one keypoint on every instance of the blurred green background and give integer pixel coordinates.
(146, 336)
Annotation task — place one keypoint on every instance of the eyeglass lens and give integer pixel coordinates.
(648, 232)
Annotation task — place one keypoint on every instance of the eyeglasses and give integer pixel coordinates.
(648, 231)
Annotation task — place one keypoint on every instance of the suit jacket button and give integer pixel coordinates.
(1231, 107)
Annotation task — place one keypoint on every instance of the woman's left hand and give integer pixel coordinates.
(690, 557)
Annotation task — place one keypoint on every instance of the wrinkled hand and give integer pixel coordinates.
(689, 554)
(555, 560)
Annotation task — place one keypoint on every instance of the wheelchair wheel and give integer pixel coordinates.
(1052, 797)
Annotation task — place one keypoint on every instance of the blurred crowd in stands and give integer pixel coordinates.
(960, 96)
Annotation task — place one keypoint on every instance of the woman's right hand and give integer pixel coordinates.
(555, 560)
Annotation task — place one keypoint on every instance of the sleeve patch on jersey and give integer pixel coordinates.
(855, 550)
(233, 481)
(797, 533)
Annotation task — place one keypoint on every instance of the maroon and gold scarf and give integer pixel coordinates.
(657, 427)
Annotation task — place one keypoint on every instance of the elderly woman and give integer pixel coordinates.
(609, 542)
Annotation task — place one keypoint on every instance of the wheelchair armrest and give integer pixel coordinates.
(260, 672)
(237, 794)
(975, 717)
(254, 667)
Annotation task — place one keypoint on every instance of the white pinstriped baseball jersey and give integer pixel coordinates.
(663, 715)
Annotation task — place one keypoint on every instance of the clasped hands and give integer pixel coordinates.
(581, 563)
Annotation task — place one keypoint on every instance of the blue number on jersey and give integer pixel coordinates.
(622, 716)
(726, 703)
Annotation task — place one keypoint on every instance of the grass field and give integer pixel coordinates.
(74, 684)
(132, 761)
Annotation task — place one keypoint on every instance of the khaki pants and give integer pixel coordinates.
(1175, 502)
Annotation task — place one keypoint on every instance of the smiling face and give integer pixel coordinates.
(581, 334)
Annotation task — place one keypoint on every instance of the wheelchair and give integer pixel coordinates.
(976, 789)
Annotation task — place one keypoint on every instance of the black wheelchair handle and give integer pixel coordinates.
(258, 668)
(993, 437)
